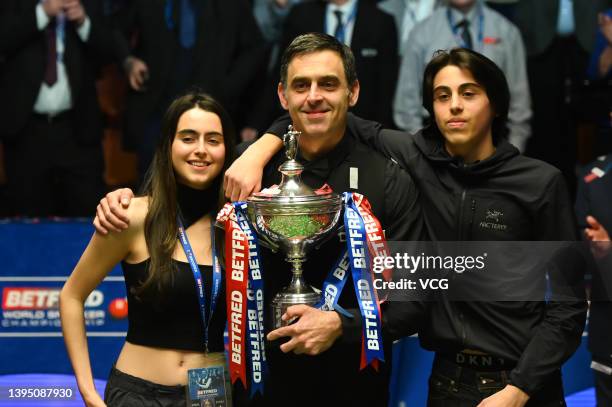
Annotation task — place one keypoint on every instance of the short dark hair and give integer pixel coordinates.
(485, 72)
(315, 42)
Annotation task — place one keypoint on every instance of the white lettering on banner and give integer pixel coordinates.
(371, 334)
(253, 263)
(236, 301)
(237, 256)
(22, 298)
(342, 268)
(95, 299)
(330, 292)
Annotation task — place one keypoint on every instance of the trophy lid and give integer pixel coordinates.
(292, 190)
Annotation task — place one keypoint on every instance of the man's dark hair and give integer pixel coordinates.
(485, 72)
(315, 42)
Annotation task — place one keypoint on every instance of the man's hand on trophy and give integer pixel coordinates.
(313, 333)
(111, 212)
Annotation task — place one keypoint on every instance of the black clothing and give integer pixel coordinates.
(464, 386)
(172, 319)
(603, 389)
(228, 51)
(333, 377)
(593, 198)
(54, 166)
(49, 173)
(455, 197)
(123, 390)
(374, 45)
(556, 68)
(195, 203)
(23, 48)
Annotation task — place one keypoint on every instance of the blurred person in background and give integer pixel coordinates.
(167, 47)
(371, 35)
(51, 119)
(559, 35)
(469, 24)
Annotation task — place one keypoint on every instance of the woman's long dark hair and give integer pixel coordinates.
(160, 186)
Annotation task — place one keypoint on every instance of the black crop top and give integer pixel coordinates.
(173, 321)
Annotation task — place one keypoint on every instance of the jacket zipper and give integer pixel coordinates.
(460, 236)
(460, 217)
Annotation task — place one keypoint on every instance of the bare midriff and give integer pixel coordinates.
(164, 366)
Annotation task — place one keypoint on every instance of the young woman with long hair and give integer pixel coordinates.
(166, 335)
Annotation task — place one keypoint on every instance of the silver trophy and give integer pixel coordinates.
(293, 218)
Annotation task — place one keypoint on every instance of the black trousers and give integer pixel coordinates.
(454, 385)
(49, 173)
(124, 390)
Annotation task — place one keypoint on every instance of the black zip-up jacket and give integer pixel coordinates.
(534, 205)
(455, 197)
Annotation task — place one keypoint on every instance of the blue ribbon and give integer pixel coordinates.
(255, 341)
(195, 269)
(362, 279)
(333, 286)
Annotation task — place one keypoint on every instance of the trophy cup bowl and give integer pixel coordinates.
(295, 219)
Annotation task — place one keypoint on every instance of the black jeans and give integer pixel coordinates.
(455, 385)
(124, 390)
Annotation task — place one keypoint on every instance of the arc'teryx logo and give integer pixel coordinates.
(494, 220)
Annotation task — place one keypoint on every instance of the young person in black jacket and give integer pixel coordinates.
(465, 170)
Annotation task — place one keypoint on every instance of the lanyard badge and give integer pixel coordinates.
(207, 384)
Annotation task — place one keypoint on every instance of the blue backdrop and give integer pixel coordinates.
(36, 258)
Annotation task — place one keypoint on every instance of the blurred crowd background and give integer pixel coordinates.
(83, 83)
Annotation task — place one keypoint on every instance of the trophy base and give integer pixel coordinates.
(284, 300)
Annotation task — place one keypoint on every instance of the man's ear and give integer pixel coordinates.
(281, 96)
(353, 94)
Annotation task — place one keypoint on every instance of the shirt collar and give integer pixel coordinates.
(346, 8)
(321, 167)
(470, 16)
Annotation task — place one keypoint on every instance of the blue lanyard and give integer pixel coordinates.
(216, 274)
(451, 22)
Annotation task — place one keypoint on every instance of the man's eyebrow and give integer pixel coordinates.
(321, 78)
(300, 79)
(329, 78)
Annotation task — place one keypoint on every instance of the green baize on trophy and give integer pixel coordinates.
(291, 226)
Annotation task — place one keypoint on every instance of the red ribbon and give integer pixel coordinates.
(377, 245)
(236, 274)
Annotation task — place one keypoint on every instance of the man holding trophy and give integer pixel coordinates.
(318, 85)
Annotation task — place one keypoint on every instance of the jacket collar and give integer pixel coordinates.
(432, 147)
